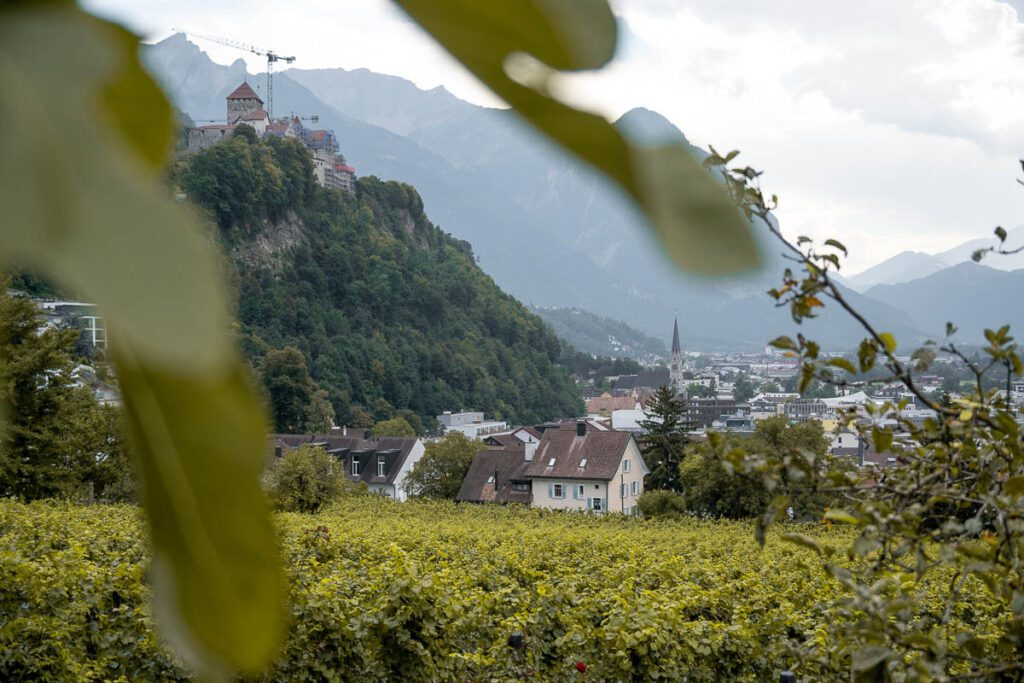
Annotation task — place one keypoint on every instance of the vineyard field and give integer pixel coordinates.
(433, 591)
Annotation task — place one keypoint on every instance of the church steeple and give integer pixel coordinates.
(675, 368)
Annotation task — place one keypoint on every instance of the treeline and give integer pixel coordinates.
(389, 313)
(590, 366)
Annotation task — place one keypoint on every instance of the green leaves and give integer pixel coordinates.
(85, 135)
(199, 445)
(516, 48)
(83, 204)
(882, 439)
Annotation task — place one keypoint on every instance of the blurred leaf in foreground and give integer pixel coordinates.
(515, 47)
(84, 137)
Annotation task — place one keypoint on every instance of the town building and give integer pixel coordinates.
(84, 316)
(472, 424)
(701, 413)
(648, 380)
(382, 464)
(576, 467)
(498, 475)
(606, 404)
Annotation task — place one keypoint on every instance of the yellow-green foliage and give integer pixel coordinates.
(427, 591)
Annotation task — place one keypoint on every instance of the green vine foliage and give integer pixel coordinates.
(944, 522)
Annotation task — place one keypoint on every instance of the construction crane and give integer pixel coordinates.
(271, 56)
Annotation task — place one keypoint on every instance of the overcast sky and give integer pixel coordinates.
(889, 124)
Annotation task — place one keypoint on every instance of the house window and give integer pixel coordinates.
(521, 487)
(380, 465)
(551, 462)
(579, 492)
(623, 490)
(490, 479)
(625, 465)
(558, 490)
(597, 504)
(636, 487)
(355, 465)
(583, 462)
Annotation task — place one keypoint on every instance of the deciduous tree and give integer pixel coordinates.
(439, 473)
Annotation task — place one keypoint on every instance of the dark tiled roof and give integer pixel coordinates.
(507, 467)
(602, 450)
(394, 450)
(529, 430)
(652, 379)
(503, 440)
(244, 92)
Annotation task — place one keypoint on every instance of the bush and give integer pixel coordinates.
(305, 479)
(667, 504)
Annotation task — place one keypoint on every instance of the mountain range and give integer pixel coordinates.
(548, 230)
(911, 265)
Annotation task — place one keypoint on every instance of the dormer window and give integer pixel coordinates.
(380, 465)
(355, 465)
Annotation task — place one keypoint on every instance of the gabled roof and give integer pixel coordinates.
(502, 440)
(492, 474)
(603, 451)
(394, 450)
(653, 379)
(244, 92)
(529, 430)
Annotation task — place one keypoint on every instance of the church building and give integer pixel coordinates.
(675, 368)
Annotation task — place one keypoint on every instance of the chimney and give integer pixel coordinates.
(581, 428)
(529, 448)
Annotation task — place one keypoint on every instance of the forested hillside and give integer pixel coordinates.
(389, 312)
(603, 336)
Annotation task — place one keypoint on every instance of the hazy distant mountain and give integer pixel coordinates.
(962, 253)
(546, 228)
(971, 296)
(602, 336)
(903, 267)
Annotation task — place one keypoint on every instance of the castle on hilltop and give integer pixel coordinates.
(244, 107)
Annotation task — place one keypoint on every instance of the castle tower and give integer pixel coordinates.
(243, 100)
(675, 368)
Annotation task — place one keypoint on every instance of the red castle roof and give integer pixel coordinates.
(245, 92)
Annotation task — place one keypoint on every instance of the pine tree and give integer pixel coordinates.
(662, 446)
